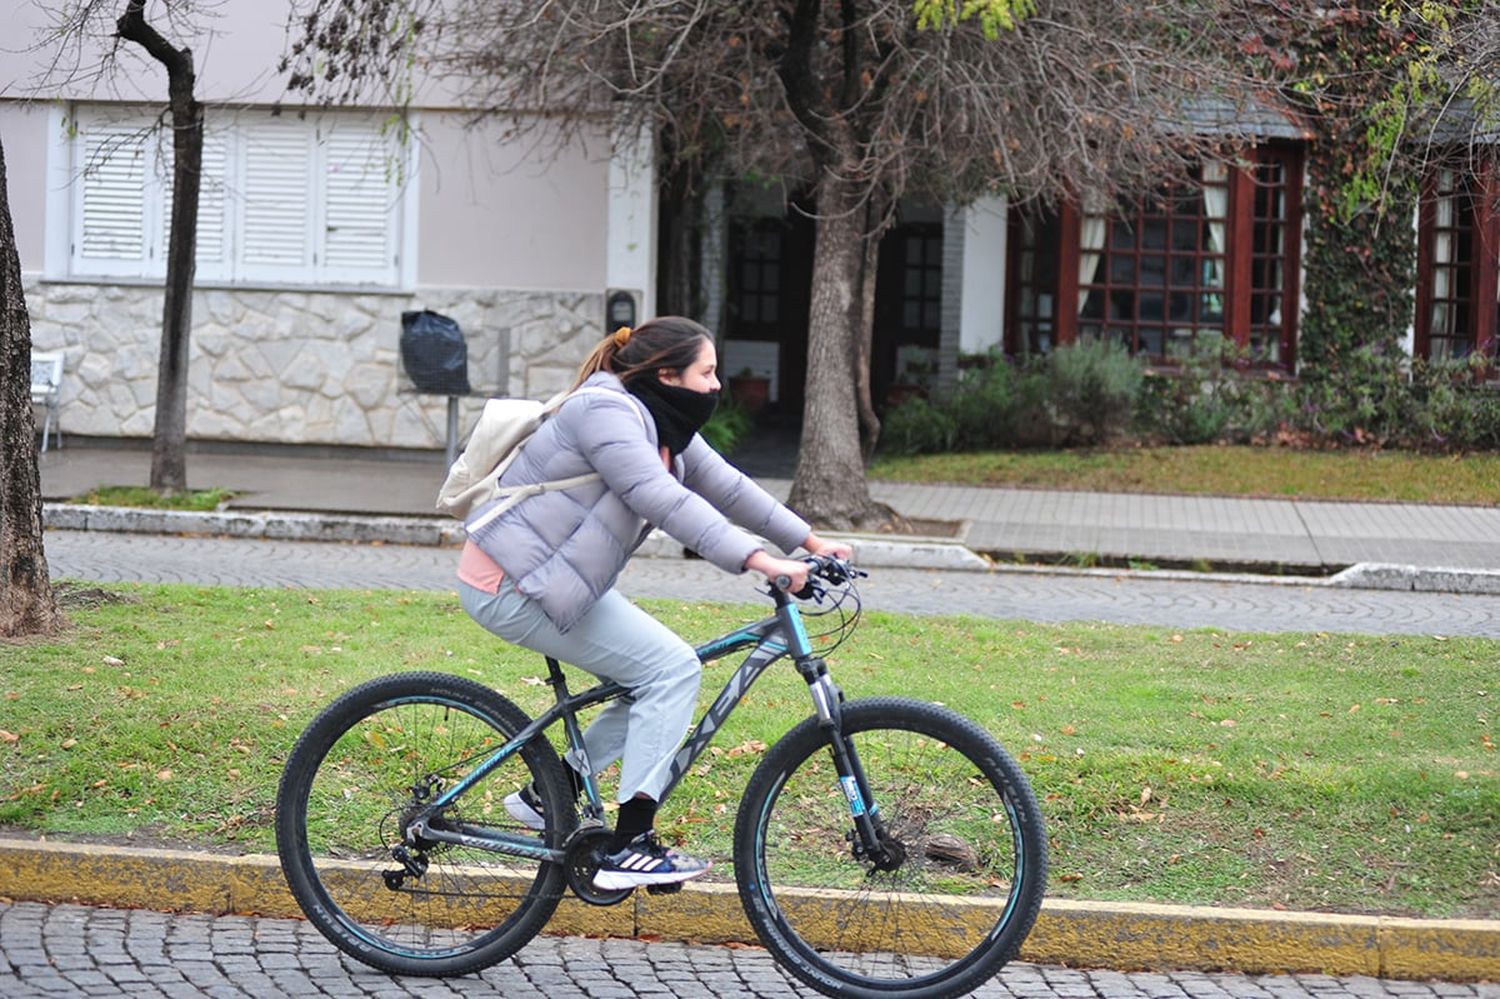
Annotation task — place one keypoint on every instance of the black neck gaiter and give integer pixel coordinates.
(679, 412)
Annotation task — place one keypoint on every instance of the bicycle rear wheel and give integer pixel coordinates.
(966, 867)
(356, 776)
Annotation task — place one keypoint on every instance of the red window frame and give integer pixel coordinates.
(1458, 261)
(1253, 302)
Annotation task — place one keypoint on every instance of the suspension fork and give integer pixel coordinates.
(864, 810)
(828, 700)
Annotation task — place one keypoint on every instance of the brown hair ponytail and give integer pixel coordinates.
(664, 342)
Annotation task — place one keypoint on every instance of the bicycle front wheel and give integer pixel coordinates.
(961, 877)
(363, 769)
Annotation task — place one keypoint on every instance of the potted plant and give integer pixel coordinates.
(750, 390)
(916, 369)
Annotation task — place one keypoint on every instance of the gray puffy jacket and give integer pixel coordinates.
(565, 549)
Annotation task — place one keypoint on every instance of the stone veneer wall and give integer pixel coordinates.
(301, 367)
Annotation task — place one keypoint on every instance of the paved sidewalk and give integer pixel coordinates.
(1300, 536)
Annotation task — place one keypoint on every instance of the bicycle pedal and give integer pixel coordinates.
(667, 889)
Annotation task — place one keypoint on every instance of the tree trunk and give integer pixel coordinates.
(27, 604)
(829, 487)
(169, 436)
(864, 320)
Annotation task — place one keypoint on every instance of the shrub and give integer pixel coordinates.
(1450, 409)
(1209, 399)
(728, 426)
(918, 426)
(1091, 390)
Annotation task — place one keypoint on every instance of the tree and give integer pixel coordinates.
(863, 101)
(27, 604)
(76, 23)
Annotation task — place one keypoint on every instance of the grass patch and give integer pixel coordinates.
(1313, 771)
(142, 496)
(1220, 471)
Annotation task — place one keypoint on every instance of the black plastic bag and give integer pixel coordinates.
(434, 353)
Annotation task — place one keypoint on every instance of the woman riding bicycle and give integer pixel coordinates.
(541, 575)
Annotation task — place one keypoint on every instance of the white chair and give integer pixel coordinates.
(46, 390)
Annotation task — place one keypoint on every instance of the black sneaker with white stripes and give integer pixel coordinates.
(644, 861)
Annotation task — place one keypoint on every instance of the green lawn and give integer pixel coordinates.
(200, 500)
(1222, 471)
(1312, 771)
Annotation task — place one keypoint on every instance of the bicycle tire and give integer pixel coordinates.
(970, 885)
(339, 807)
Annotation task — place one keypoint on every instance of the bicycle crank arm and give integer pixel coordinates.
(483, 839)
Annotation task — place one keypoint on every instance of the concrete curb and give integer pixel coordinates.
(1084, 934)
(873, 550)
(1384, 576)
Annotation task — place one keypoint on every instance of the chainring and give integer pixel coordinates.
(581, 861)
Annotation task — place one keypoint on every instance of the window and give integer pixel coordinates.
(1172, 274)
(921, 278)
(1033, 260)
(1152, 276)
(281, 200)
(759, 286)
(1458, 236)
(1274, 256)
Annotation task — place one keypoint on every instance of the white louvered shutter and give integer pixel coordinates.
(275, 217)
(111, 203)
(359, 168)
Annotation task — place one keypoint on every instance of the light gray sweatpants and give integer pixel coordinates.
(618, 641)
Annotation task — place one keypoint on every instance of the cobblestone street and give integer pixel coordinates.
(1122, 599)
(68, 950)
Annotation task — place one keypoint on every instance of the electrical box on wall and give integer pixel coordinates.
(622, 307)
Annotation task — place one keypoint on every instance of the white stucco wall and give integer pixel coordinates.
(23, 130)
(512, 216)
(982, 319)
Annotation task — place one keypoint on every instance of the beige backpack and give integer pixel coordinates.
(503, 427)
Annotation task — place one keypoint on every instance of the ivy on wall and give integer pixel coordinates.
(1360, 262)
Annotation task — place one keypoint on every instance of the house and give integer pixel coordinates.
(318, 230)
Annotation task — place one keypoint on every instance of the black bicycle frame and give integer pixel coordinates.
(781, 634)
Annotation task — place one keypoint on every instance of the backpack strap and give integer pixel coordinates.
(509, 496)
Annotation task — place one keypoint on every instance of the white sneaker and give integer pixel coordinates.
(525, 806)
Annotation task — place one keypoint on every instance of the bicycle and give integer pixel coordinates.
(883, 847)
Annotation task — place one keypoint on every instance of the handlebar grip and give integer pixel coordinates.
(783, 582)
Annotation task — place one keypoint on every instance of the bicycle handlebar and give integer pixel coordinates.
(832, 570)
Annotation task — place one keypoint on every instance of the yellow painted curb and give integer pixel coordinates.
(1085, 934)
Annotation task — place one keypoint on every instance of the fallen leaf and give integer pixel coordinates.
(747, 747)
(1068, 730)
(163, 775)
(1070, 877)
(1228, 723)
(1145, 795)
(8, 736)
(1353, 708)
(69, 743)
(112, 661)
(1175, 638)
